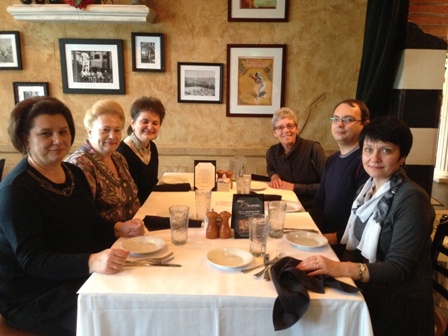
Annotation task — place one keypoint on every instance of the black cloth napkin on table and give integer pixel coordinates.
(263, 178)
(172, 187)
(292, 287)
(154, 223)
(267, 197)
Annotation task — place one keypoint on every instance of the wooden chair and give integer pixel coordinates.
(440, 277)
(8, 330)
(2, 166)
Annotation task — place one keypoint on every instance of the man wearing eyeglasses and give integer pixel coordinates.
(344, 174)
(294, 163)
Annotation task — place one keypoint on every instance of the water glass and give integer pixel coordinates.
(277, 212)
(243, 184)
(258, 234)
(179, 224)
(238, 166)
(203, 198)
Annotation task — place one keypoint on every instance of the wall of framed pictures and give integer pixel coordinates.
(323, 42)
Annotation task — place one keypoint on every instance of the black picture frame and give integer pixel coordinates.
(10, 51)
(199, 82)
(255, 79)
(92, 66)
(148, 51)
(24, 90)
(197, 164)
(263, 11)
(243, 207)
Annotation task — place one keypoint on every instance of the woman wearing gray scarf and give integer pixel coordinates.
(388, 237)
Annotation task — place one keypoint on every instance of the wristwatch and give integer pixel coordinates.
(362, 271)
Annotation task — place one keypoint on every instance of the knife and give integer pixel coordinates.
(146, 264)
(298, 229)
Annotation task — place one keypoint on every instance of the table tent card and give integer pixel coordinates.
(205, 175)
(243, 207)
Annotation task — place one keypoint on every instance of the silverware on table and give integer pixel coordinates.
(288, 230)
(147, 264)
(159, 262)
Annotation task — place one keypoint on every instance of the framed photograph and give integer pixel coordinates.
(147, 52)
(92, 66)
(199, 82)
(258, 10)
(10, 54)
(255, 79)
(24, 90)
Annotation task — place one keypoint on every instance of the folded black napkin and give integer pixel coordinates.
(172, 187)
(263, 178)
(267, 197)
(292, 287)
(154, 223)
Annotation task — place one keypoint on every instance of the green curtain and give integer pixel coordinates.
(384, 39)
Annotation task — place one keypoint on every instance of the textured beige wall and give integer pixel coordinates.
(324, 46)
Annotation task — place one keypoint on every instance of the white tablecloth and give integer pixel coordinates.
(201, 299)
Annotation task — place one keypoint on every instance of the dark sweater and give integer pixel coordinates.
(303, 166)
(144, 175)
(342, 179)
(45, 238)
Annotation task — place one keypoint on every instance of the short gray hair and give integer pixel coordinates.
(282, 113)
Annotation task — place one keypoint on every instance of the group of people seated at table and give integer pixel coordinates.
(60, 214)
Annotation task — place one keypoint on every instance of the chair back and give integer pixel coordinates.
(2, 166)
(439, 255)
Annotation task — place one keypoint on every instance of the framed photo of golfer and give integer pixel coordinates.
(255, 79)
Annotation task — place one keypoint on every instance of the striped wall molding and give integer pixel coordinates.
(418, 92)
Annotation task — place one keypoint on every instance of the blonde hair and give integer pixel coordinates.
(103, 106)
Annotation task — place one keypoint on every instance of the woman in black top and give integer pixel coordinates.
(51, 235)
(147, 114)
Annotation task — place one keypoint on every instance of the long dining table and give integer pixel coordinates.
(202, 298)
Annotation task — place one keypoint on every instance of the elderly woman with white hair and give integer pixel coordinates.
(107, 171)
(294, 163)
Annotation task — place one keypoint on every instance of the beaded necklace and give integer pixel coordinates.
(67, 191)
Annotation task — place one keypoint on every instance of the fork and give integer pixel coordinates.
(154, 259)
(269, 263)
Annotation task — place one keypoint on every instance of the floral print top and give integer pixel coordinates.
(115, 198)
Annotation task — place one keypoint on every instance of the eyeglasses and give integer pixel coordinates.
(289, 127)
(345, 120)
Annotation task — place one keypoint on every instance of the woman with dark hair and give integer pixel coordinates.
(51, 235)
(139, 149)
(388, 237)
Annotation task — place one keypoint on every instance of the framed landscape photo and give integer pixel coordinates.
(24, 90)
(258, 10)
(148, 52)
(199, 82)
(255, 79)
(91, 66)
(10, 54)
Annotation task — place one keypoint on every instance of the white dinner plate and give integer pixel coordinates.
(229, 257)
(173, 179)
(143, 244)
(257, 186)
(306, 240)
(293, 206)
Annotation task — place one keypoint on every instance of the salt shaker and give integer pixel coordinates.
(212, 231)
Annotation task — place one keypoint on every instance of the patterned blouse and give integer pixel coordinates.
(115, 198)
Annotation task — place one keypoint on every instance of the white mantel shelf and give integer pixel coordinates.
(92, 13)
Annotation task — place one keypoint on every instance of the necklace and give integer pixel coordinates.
(67, 191)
